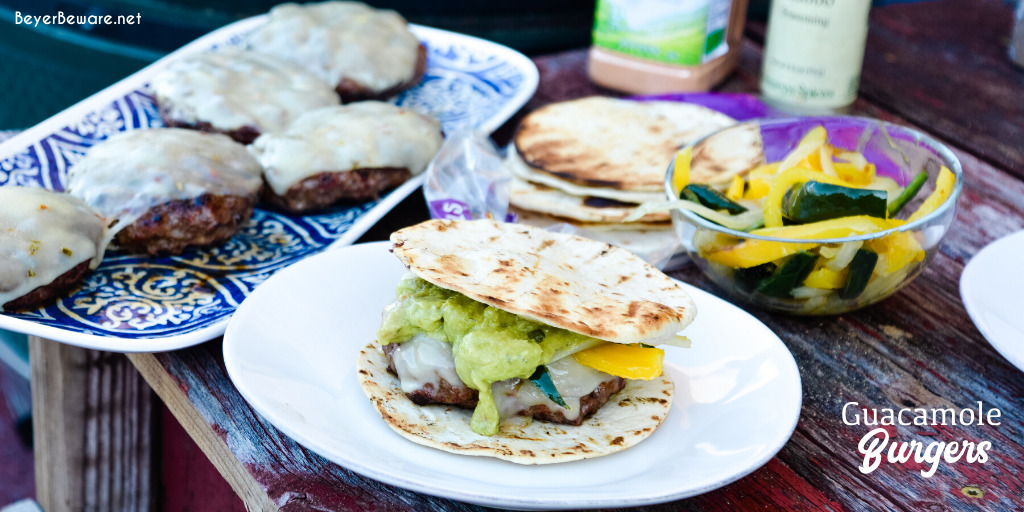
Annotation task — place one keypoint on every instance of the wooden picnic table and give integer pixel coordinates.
(939, 66)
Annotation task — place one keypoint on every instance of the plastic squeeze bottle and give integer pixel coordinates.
(656, 46)
(813, 54)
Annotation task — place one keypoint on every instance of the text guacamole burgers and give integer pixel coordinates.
(516, 323)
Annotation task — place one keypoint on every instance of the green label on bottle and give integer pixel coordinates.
(684, 32)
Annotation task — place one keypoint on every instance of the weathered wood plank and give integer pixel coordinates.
(209, 440)
(189, 480)
(92, 428)
(943, 64)
(16, 471)
(267, 469)
(917, 349)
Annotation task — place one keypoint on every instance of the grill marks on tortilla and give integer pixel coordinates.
(558, 151)
(601, 202)
(724, 155)
(586, 208)
(562, 280)
(611, 143)
(454, 264)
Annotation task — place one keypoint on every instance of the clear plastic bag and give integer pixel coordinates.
(468, 179)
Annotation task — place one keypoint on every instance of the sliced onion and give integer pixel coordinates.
(845, 255)
(745, 221)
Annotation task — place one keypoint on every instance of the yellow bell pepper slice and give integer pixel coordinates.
(756, 189)
(812, 161)
(853, 175)
(627, 361)
(681, 173)
(900, 249)
(773, 201)
(943, 189)
(831, 228)
(752, 252)
(735, 191)
(810, 143)
(826, 278)
(764, 171)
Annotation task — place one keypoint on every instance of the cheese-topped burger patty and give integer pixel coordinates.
(48, 242)
(365, 53)
(514, 321)
(345, 153)
(239, 93)
(168, 189)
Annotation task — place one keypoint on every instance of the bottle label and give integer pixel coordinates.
(814, 51)
(683, 32)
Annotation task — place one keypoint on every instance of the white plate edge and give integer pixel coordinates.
(967, 289)
(488, 500)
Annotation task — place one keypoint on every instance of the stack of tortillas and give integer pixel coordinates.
(592, 161)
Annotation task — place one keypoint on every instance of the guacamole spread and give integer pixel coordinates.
(489, 344)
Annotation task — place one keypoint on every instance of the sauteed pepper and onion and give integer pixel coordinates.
(816, 192)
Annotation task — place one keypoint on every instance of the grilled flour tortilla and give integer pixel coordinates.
(607, 144)
(592, 162)
(489, 307)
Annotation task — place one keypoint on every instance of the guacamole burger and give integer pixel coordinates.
(518, 343)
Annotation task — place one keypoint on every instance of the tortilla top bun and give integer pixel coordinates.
(562, 280)
(612, 143)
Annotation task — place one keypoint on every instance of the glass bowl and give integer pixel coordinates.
(903, 252)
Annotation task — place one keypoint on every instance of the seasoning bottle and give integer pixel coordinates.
(813, 54)
(656, 46)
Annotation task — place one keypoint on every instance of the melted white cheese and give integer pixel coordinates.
(572, 380)
(423, 360)
(43, 235)
(131, 172)
(337, 40)
(234, 88)
(368, 134)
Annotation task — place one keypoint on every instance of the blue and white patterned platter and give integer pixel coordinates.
(141, 304)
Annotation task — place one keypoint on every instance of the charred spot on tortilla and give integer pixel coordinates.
(601, 202)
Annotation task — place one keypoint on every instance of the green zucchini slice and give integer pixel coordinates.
(747, 279)
(861, 268)
(711, 198)
(792, 273)
(814, 201)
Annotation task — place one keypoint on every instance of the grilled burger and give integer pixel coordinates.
(48, 242)
(498, 325)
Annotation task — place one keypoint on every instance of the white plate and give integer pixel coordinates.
(992, 288)
(135, 303)
(291, 350)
